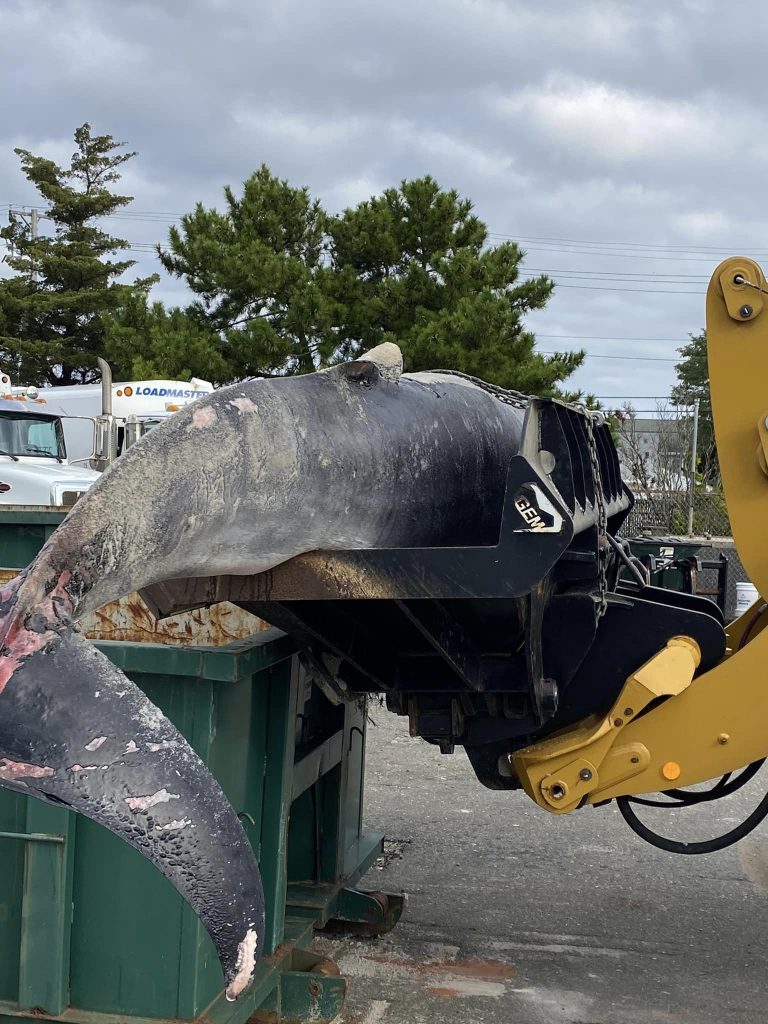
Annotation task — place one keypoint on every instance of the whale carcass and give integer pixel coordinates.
(429, 537)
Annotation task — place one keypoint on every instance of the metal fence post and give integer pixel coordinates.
(692, 484)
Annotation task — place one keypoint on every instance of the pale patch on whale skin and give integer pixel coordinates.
(12, 771)
(244, 405)
(246, 964)
(143, 803)
(204, 416)
(174, 826)
(163, 745)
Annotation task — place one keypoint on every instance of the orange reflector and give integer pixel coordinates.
(671, 770)
(170, 407)
(128, 392)
(119, 393)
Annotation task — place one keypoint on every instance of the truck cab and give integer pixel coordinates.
(34, 469)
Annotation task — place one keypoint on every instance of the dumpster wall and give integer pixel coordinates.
(24, 531)
(87, 926)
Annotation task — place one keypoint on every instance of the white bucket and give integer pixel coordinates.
(746, 595)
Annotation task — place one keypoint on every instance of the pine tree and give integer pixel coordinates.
(289, 288)
(53, 309)
(260, 271)
(414, 266)
(145, 340)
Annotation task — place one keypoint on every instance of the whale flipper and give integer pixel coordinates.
(75, 731)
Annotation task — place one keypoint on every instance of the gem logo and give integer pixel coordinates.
(537, 511)
(529, 514)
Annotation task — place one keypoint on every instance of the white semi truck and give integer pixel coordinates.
(34, 469)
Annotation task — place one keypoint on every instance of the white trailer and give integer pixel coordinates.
(101, 420)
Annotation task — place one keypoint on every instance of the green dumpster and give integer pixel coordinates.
(657, 552)
(23, 531)
(90, 932)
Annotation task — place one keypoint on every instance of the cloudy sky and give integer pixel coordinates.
(623, 144)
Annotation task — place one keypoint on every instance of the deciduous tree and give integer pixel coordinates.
(693, 383)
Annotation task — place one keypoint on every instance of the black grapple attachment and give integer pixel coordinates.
(487, 647)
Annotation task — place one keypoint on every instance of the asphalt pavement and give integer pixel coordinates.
(519, 917)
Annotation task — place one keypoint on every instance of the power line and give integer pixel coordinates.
(548, 240)
(647, 277)
(603, 337)
(617, 278)
(614, 273)
(652, 246)
(598, 355)
(150, 247)
(624, 255)
(608, 288)
(572, 275)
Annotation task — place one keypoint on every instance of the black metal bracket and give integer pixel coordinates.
(544, 691)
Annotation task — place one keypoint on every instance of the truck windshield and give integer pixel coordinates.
(31, 435)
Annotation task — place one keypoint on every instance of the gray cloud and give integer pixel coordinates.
(597, 122)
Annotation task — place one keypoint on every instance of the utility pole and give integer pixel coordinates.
(692, 484)
(32, 220)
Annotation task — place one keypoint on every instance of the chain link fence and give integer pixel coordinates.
(661, 513)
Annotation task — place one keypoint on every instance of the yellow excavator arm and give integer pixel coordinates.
(670, 728)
